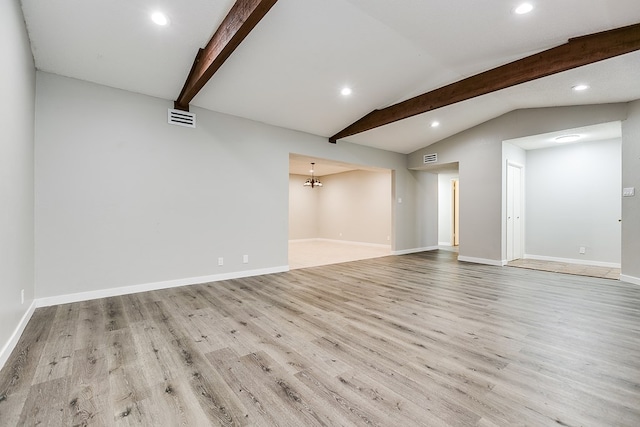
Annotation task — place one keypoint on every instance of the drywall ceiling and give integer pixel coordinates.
(599, 132)
(301, 165)
(290, 69)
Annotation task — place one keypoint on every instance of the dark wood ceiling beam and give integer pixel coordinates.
(241, 19)
(575, 53)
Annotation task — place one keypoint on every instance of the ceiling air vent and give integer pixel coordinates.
(182, 118)
(431, 158)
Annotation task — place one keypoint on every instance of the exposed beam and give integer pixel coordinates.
(575, 53)
(241, 19)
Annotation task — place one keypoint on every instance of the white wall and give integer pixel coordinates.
(123, 198)
(479, 153)
(573, 200)
(445, 208)
(631, 205)
(17, 85)
(355, 206)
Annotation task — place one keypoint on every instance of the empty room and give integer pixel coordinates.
(160, 170)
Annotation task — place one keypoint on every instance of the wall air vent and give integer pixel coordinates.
(430, 158)
(182, 118)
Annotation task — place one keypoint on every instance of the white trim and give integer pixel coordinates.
(444, 244)
(499, 263)
(15, 337)
(573, 261)
(346, 242)
(414, 250)
(630, 279)
(124, 290)
(351, 242)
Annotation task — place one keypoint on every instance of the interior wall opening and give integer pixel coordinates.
(571, 200)
(348, 218)
(448, 206)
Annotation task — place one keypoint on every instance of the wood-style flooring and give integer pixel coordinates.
(413, 340)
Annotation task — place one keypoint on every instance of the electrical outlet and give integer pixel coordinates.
(220, 261)
(22, 296)
(583, 250)
(245, 259)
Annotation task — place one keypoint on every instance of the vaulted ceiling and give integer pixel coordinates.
(289, 71)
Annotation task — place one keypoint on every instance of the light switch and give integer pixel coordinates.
(628, 192)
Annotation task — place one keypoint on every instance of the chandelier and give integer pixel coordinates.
(312, 182)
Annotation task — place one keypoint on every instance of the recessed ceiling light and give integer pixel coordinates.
(346, 91)
(159, 18)
(435, 124)
(523, 8)
(567, 138)
(580, 87)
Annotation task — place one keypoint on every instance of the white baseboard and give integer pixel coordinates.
(573, 261)
(414, 250)
(630, 279)
(444, 244)
(498, 263)
(350, 242)
(15, 337)
(124, 290)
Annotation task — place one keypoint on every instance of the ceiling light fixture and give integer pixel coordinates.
(567, 138)
(523, 8)
(435, 124)
(312, 182)
(346, 91)
(580, 87)
(159, 18)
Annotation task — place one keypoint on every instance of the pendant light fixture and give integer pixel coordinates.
(312, 182)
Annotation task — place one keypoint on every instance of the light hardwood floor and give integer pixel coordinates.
(413, 340)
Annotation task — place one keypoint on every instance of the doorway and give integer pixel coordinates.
(455, 210)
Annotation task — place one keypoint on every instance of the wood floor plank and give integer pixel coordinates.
(265, 407)
(418, 339)
(16, 378)
(56, 360)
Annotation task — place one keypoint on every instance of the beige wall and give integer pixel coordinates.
(303, 209)
(351, 206)
(356, 206)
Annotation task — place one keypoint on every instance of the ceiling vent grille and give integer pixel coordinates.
(430, 158)
(182, 118)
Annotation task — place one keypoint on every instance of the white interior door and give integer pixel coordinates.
(455, 197)
(514, 212)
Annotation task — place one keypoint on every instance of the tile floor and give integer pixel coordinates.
(312, 253)
(562, 267)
